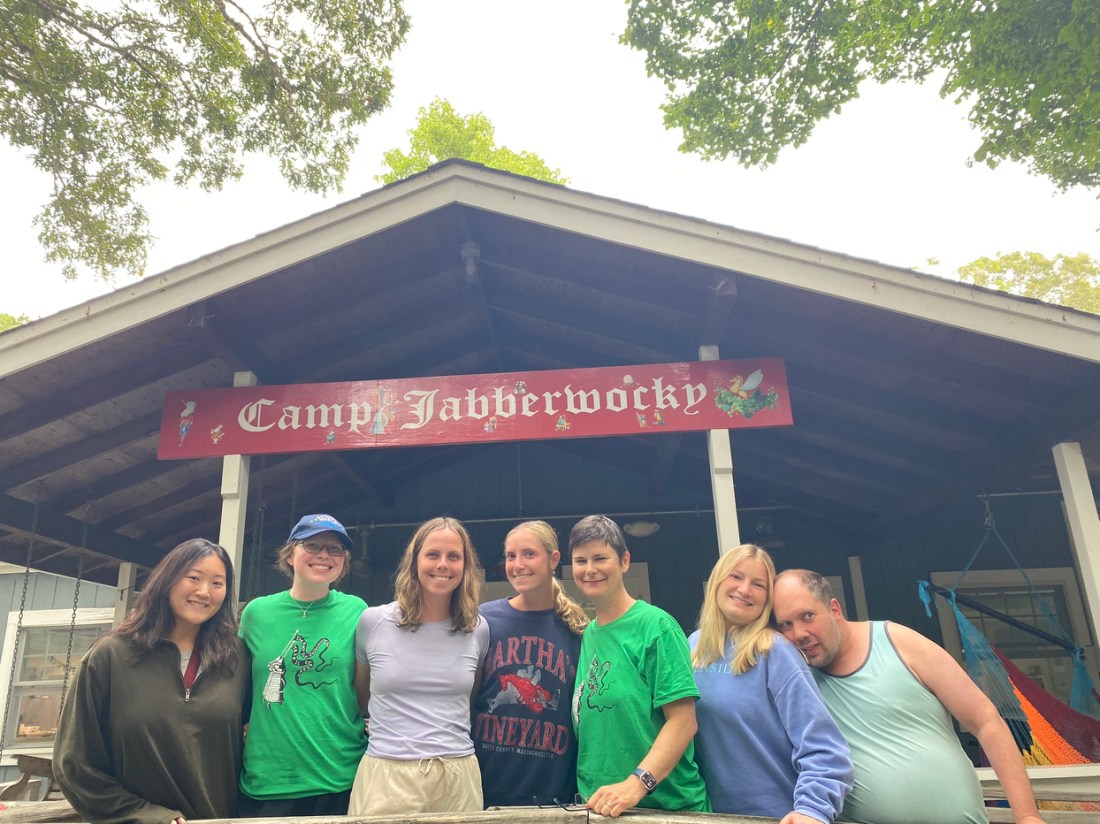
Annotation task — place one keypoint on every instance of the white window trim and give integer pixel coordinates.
(39, 618)
(1058, 576)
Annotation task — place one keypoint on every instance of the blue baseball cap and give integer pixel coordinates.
(311, 525)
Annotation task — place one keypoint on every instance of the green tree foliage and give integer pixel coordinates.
(1065, 280)
(11, 321)
(441, 133)
(112, 95)
(747, 77)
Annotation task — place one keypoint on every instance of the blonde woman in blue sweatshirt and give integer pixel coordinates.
(766, 745)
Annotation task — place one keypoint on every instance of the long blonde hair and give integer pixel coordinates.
(464, 599)
(568, 610)
(753, 640)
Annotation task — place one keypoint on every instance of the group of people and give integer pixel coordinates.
(316, 704)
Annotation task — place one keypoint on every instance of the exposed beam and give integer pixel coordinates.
(535, 346)
(664, 281)
(918, 383)
(19, 516)
(106, 485)
(649, 301)
(90, 446)
(857, 436)
(200, 487)
(600, 345)
(1009, 456)
(405, 356)
(347, 467)
(949, 354)
(667, 452)
(167, 361)
(917, 422)
(717, 310)
(203, 518)
(232, 343)
(477, 361)
(620, 326)
(529, 361)
(449, 310)
(774, 445)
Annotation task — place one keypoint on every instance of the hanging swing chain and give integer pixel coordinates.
(67, 674)
(257, 535)
(19, 628)
(992, 531)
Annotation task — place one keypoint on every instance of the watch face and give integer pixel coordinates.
(647, 779)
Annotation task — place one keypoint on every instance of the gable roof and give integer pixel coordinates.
(909, 390)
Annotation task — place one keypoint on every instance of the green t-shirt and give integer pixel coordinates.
(628, 670)
(305, 733)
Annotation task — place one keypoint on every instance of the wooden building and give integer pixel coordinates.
(912, 397)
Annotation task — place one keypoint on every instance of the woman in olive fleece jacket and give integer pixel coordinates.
(137, 745)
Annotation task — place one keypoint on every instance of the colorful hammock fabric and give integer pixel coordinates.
(1060, 734)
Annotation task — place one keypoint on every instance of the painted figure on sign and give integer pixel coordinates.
(187, 419)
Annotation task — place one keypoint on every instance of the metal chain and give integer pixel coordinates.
(72, 620)
(19, 629)
(257, 537)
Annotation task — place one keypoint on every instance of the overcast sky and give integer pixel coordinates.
(886, 179)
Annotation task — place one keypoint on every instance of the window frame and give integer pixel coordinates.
(38, 619)
(1064, 577)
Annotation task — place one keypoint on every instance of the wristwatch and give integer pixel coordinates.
(647, 779)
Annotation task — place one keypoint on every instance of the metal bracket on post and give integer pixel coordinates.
(721, 476)
(127, 580)
(235, 477)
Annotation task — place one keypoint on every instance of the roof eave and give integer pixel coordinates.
(928, 297)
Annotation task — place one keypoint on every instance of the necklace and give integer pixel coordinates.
(306, 607)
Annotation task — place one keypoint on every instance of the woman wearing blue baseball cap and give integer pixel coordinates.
(305, 735)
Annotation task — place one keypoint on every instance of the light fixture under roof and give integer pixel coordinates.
(641, 529)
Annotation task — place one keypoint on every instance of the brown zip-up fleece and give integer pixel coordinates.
(135, 746)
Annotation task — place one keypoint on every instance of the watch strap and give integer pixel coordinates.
(647, 779)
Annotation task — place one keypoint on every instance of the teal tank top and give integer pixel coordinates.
(909, 765)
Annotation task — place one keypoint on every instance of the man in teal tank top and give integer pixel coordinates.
(893, 693)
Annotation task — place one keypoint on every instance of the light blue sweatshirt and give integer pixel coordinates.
(766, 743)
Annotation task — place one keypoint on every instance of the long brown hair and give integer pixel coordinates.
(152, 619)
(568, 610)
(753, 640)
(464, 599)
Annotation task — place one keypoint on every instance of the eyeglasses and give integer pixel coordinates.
(314, 547)
(578, 804)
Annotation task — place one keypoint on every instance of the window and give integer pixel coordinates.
(40, 670)
(1006, 592)
(39, 678)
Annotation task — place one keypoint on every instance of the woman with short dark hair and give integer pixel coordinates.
(634, 705)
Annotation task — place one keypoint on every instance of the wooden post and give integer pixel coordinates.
(235, 476)
(127, 578)
(721, 476)
(859, 592)
(1084, 525)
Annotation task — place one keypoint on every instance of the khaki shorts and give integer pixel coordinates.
(431, 785)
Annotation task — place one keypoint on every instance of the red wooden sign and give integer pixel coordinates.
(507, 406)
